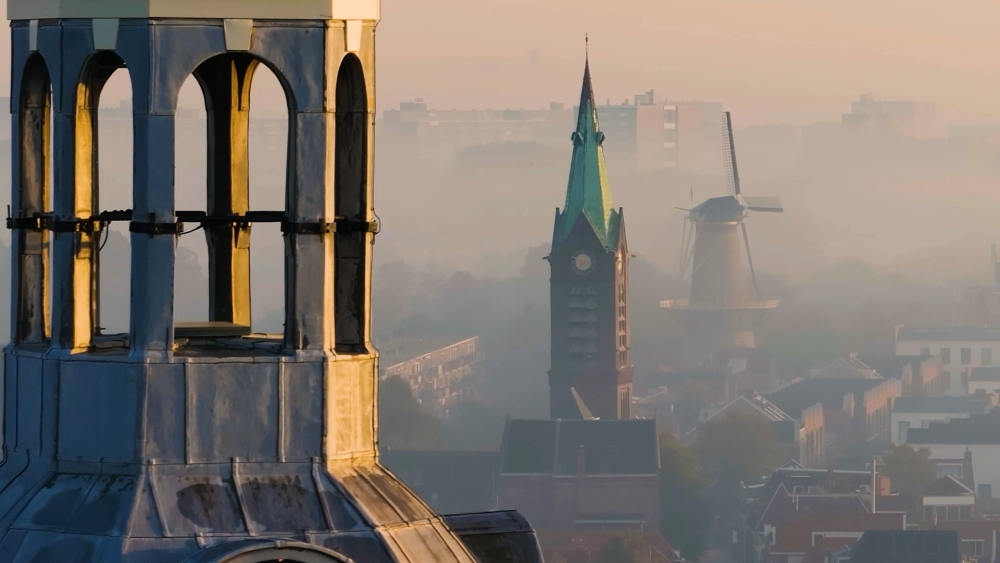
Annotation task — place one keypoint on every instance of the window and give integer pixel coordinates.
(985, 490)
(946, 356)
(986, 357)
(966, 357)
(973, 548)
(949, 470)
(925, 351)
(904, 428)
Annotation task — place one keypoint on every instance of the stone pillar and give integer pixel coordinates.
(31, 195)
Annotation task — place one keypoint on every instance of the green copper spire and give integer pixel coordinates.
(588, 191)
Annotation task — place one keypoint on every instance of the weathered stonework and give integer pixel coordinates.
(163, 448)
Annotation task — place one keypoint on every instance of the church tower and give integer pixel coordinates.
(591, 373)
(198, 442)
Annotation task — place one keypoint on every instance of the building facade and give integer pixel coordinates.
(445, 378)
(959, 348)
(881, 118)
(591, 370)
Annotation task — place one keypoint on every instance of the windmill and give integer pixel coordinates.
(723, 309)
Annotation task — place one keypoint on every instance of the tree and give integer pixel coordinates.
(403, 423)
(616, 550)
(909, 470)
(740, 446)
(685, 510)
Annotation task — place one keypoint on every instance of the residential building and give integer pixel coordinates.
(977, 538)
(920, 412)
(949, 442)
(591, 365)
(856, 413)
(959, 348)
(445, 378)
(948, 499)
(648, 134)
(581, 474)
(786, 506)
(879, 118)
(791, 542)
(922, 375)
(802, 442)
(925, 546)
(416, 126)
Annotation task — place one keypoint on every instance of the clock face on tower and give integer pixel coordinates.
(583, 262)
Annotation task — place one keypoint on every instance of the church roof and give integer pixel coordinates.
(554, 447)
(589, 192)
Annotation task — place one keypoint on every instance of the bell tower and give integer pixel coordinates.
(197, 442)
(591, 373)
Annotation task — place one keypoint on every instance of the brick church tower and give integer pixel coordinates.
(591, 373)
(200, 442)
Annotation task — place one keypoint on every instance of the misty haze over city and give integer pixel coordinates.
(874, 121)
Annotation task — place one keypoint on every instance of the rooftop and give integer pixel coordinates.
(228, 9)
(797, 536)
(940, 405)
(830, 392)
(947, 487)
(978, 429)
(891, 365)
(950, 334)
(984, 374)
(924, 546)
(552, 447)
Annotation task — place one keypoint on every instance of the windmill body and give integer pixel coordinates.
(724, 304)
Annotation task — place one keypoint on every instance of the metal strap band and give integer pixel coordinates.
(155, 229)
(307, 228)
(29, 223)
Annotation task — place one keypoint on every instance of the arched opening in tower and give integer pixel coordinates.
(191, 193)
(111, 134)
(351, 207)
(240, 208)
(34, 198)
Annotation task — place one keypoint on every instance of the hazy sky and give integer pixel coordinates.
(768, 60)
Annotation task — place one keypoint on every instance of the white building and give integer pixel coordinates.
(960, 349)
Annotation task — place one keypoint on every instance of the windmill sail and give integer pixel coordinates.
(764, 204)
(729, 152)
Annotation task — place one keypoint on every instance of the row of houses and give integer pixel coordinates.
(801, 515)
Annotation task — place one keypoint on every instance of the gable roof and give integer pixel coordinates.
(552, 447)
(947, 486)
(786, 507)
(829, 392)
(588, 192)
(754, 403)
